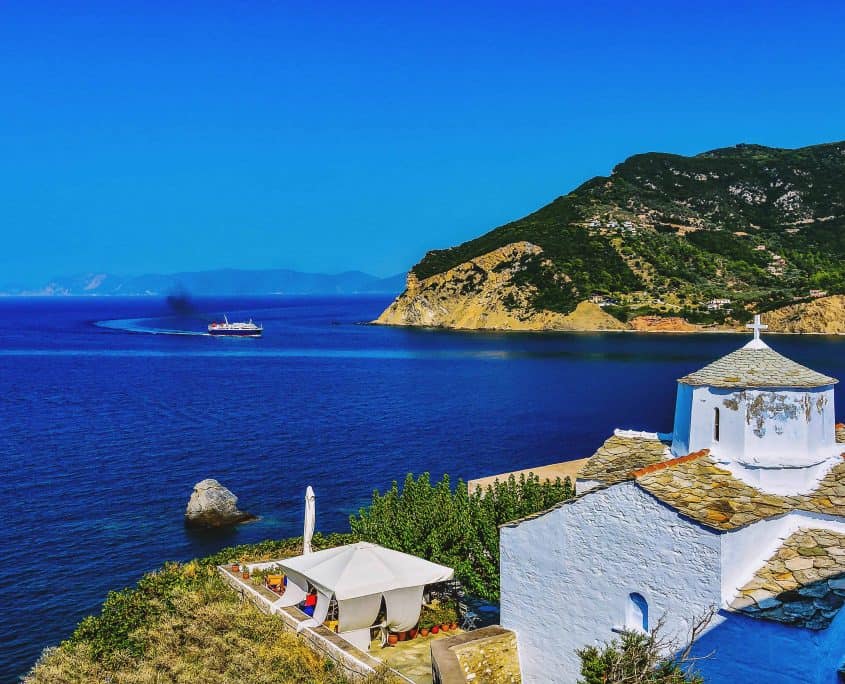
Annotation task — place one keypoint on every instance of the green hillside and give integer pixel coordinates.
(666, 234)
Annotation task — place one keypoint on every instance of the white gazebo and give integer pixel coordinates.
(359, 576)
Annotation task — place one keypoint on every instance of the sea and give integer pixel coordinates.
(111, 409)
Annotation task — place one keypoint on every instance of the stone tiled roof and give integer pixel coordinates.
(618, 457)
(697, 488)
(803, 584)
(756, 367)
(701, 490)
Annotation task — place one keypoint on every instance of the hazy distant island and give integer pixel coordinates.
(215, 282)
(665, 243)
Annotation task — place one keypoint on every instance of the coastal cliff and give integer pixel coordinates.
(484, 293)
(823, 316)
(666, 243)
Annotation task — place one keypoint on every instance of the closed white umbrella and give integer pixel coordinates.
(310, 519)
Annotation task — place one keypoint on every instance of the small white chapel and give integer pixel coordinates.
(741, 510)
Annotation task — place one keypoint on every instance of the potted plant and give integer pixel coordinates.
(412, 633)
(236, 567)
(392, 639)
(403, 636)
(426, 621)
(447, 616)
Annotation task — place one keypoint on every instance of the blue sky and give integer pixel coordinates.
(325, 136)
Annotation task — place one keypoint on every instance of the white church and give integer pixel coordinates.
(741, 509)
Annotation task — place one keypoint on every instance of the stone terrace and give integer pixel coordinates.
(803, 584)
(485, 656)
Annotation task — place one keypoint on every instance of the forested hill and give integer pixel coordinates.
(666, 234)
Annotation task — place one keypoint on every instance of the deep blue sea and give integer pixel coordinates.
(111, 409)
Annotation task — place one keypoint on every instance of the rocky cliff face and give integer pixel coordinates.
(486, 293)
(825, 315)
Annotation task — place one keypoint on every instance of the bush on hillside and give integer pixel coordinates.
(645, 657)
(453, 527)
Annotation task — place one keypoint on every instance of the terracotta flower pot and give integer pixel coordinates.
(412, 633)
(435, 629)
(245, 574)
(453, 626)
(424, 631)
(236, 567)
(445, 627)
(392, 639)
(403, 636)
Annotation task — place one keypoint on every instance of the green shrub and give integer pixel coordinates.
(453, 527)
(633, 658)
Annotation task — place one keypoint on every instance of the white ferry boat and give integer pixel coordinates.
(235, 329)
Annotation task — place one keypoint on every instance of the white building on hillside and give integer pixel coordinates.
(741, 508)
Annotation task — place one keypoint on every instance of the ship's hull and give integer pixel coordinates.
(235, 333)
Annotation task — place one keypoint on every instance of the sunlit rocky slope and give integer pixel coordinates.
(665, 242)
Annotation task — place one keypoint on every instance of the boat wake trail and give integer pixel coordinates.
(143, 325)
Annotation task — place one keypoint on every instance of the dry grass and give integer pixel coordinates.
(207, 636)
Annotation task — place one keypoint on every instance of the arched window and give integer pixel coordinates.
(637, 617)
(715, 425)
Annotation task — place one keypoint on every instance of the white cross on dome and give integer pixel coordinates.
(757, 327)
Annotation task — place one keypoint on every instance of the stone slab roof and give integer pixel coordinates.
(802, 584)
(696, 487)
(699, 489)
(756, 367)
(618, 457)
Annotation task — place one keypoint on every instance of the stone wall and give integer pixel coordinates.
(483, 656)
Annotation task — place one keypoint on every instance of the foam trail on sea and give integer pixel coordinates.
(136, 325)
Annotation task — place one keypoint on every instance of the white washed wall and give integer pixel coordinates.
(763, 428)
(566, 576)
(731, 422)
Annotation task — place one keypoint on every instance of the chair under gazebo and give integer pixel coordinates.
(361, 577)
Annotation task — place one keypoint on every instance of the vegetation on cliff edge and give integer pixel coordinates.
(664, 234)
(183, 624)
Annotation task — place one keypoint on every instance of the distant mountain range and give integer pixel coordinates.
(218, 282)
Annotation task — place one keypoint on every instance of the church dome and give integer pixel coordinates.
(766, 418)
(754, 367)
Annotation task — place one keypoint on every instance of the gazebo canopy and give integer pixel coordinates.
(363, 569)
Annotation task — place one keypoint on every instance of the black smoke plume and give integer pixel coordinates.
(181, 304)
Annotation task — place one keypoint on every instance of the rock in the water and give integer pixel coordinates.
(212, 505)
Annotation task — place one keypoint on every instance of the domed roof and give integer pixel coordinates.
(757, 365)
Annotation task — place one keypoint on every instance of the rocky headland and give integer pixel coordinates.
(485, 294)
(666, 243)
